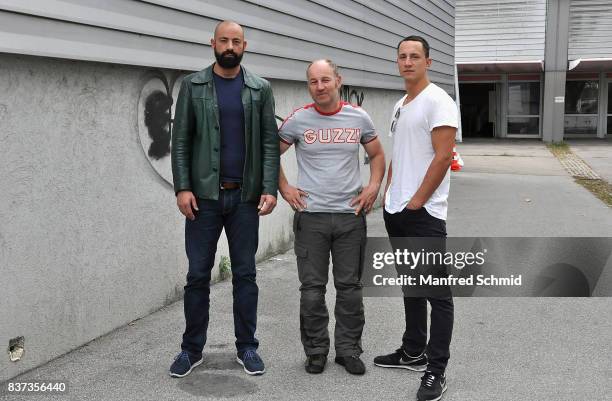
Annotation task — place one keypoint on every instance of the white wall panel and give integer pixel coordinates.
(510, 30)
(590, 33)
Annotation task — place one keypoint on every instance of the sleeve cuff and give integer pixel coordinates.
(369, 140)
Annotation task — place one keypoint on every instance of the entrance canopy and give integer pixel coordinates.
(590, 64)
(501, 66)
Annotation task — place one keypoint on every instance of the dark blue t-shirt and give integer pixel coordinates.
(231, 123)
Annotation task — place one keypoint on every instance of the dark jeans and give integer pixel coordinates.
(316, 236)
(419, 223)
(241, 224)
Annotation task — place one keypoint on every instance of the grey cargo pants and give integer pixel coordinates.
(344, 236)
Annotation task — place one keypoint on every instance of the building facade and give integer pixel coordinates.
(535, 68)
(91, 238)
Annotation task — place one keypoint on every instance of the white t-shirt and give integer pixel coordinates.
(413, 151)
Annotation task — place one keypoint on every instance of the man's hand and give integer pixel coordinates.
(186, 201)
(414, 204)
(442, 140)
(365, 200)
(267, 203)
(367, 197)
(293, 196)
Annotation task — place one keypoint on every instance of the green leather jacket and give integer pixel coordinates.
(196, 140)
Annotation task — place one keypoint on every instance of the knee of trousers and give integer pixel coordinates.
(195, 280)
(313, 290)
(348, 286)
(349, 303)
(348, 291)
(445, 303)
(239, 277)
(350, 294)
(312, 299)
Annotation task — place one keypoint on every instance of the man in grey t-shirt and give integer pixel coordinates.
(330, 206)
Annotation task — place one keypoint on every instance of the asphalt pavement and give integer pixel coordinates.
(503, 348)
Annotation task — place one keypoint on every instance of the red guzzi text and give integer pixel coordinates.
(332, 135)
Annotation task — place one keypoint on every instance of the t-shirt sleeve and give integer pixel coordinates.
(368, 132)
(288, 130)
(443, 111)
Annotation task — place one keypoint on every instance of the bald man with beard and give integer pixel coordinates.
(225, 160)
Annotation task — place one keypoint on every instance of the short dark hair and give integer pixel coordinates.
(415, 38)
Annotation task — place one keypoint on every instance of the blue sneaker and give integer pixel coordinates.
(182, 366)
(252, 363)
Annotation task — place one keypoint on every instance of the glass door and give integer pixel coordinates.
(581, 108)
(523, 109)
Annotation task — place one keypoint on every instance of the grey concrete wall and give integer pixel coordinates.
(90, 238)
(555, 68)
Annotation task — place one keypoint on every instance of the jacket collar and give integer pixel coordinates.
(206, 75)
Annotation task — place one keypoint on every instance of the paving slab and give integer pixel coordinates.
(508, 157)
(597, 153)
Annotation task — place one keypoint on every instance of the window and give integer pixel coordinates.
(524, 98)
(581, 97)
(524, 108)
(523, 125)
(581, 103)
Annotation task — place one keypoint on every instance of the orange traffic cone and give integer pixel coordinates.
(457, 162)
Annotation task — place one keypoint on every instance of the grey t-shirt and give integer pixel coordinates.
(327, 151)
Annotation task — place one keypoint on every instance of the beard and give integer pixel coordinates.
(229, 59)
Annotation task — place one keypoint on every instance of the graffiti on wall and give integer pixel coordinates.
(351, 95)
(157, 120)
(155, 116)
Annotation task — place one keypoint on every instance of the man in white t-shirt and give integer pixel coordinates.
(423, 128)
(330, 205)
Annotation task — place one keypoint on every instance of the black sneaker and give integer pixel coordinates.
(352, 364)
(432, 387)
(315, 363)
(400, 359)
(182, 365)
